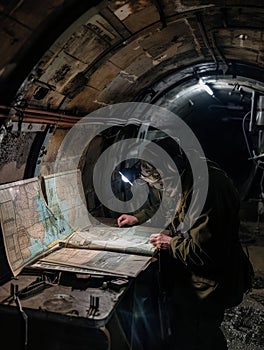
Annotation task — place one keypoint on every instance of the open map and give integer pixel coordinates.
(66, 199)
(29, 227)
(131, 240)
(49, 221)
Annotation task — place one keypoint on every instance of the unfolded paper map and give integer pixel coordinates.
(29, 227)
(132, 240)
(34, 224)
(121, 264)
(66, 199)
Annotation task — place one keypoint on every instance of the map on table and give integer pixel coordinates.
(66, 199)
(48, 220)
(29, 227)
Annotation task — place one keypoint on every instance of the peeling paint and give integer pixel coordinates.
(61, 73)
(123, 12)
(129, 8)
(129, 77)
(159, 59)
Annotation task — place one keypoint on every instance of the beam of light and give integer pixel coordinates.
(125, 179)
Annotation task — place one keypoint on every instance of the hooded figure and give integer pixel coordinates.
(203, 268)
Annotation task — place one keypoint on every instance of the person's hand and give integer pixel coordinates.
(125, 219)
(160, 241)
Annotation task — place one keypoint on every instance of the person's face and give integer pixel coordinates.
(151, 175)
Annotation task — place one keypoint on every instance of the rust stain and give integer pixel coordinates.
(61, 73)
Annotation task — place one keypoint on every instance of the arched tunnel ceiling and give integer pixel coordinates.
(115, 49)
(64, 59)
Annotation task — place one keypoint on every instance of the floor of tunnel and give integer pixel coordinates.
(243, 325)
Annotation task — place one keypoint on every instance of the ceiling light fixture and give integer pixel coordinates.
(205, 87)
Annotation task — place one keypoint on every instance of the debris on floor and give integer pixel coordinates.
(243, 325)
